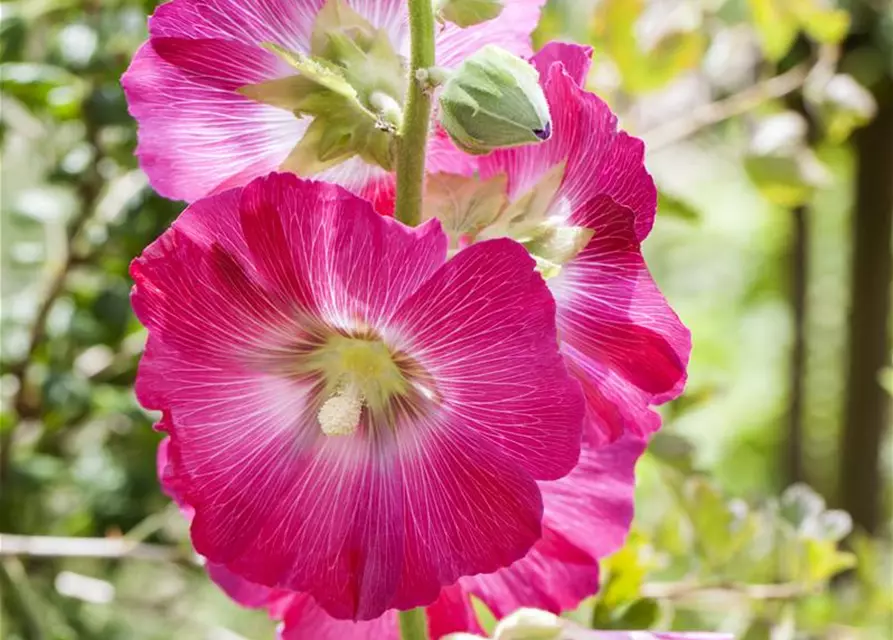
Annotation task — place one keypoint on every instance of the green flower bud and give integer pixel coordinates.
(494, 100)
(467, 13)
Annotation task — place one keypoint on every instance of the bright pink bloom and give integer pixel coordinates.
(350, 415)
(586, 516)
(198, 135)
(619, 336)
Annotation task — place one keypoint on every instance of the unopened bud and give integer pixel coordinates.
(494, 100)
(467, 13)
(529, 624)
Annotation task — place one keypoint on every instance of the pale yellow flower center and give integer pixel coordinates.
(359, 374)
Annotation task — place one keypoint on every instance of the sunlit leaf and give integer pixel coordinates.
(624, 573)
(824, 24)
(776, 26)
(642, 614)
(650, 64)
(779, 21)
(673, 207)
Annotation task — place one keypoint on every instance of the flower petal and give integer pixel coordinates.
(302, 618)
(247, 594)
(592, 507)
(315, 241)
(555, 576)
(587, 515)
(282, 22)
(575, 60)
(451, 613)
(197, 135)
(446, 463)
(613, 320)
(483, 327)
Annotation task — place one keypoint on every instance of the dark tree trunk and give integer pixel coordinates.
(799, 270)
(867, 403)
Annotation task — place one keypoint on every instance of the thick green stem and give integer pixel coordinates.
(413, 624)
(417, 116)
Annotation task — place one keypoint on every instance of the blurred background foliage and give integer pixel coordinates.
(770, 133)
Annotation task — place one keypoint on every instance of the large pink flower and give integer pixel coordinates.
(350, 415)
(586, 517)
(198, 135)
(588, 184)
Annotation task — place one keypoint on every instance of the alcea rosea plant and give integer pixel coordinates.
(367, 415)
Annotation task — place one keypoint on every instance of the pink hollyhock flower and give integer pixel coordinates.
(586, 516)
(198, 133)
(582, 203)
(351, 415)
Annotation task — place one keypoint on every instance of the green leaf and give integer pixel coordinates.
(650, 66)
(823, 561)
(673, 207)
(776, 26)
(779, 21)
(642, 614)
(711, 519)
(625, 573)
(673, 450)
(352, 72)
(825, 25)
(485, 617)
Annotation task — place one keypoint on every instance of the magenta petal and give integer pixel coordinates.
(453, 535)
(220, 64)
(555, 576)
(452, 612)
(240, 590)
(587, 515)
(247, 594)
(195, 137)
(620, 338)
(592, 507)
(282, 22)
(316, 241)
(615, 325)
(302, 618)
(575, 60)
(483, 327)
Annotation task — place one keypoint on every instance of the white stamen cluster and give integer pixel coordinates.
(340, 414)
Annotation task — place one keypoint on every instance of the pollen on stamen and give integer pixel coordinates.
(340, 414)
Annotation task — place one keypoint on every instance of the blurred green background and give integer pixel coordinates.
(770, 133)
